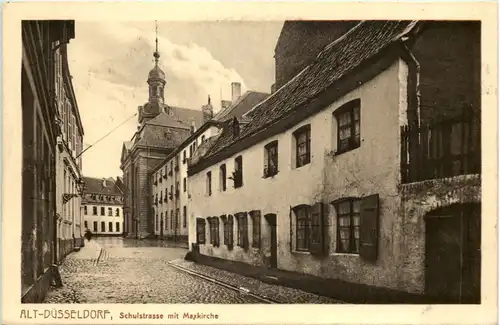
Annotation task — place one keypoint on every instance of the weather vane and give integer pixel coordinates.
(156, 54)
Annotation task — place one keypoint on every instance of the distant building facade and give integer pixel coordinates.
(102, 207)
(68, 159)
(308, 189)
(162, 128)
(40, 116)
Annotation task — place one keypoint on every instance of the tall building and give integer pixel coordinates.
(40, 116)
(68, 159)
(102, 206)
(360, 177)
(161, 129)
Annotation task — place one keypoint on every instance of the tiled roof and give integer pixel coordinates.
(245, 103)
(336, 60)
(188, 115)
(167, 120)
(95, 186)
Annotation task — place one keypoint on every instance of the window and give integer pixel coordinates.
(110, 227)
(348, 126)
(242, 229)
(255, 228)
(85, 209)
(184, 184)
(110, 212)
(171, 219)
(171, 192)
(238, 172)
(214, 231)
(103, 226)
(348, 224)
(271, 159)
(303, 218)
(156, 221)
(191, 151)
(102, 211)
(310, 228)
(94, 211)
(209, 183)
(95, 226)
(117, 227)
(222, 180)
(184, 157)
(184, 216)
(228, 231)
(303, 145)
(117, 212)
(85, 224)
(177, 218)
(161, 221)
(200, 231)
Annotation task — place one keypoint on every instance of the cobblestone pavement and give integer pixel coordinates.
(131, 273)
(277, 293)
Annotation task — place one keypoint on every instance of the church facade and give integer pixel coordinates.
(161, 129)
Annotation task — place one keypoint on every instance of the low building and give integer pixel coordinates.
(169, 182)
(344, 180)
(40, 130)
(102, 207)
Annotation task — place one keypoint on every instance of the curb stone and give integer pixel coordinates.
(241, 290)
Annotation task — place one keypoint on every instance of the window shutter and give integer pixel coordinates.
(245, 233)
(317, 232)
(369, 228)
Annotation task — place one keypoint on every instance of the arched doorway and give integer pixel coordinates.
(453, 254)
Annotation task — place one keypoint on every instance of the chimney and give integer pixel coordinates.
(235, 91)
(193, 127)
(104, 182)
(208, 111)
(225, 104)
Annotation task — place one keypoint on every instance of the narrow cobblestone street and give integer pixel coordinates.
(130, 271)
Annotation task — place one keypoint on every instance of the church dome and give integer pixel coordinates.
(156, 73)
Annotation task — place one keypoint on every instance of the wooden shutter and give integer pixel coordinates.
(369, 228)
(244, 220)
(317, 231)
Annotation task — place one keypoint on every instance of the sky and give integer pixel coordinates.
(109, 63)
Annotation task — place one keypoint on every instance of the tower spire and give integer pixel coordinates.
(156, 54)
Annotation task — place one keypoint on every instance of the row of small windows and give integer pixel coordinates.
(348, 138)
(103, 211)
(158, 199)
(162, 221)
(228, 221)
(104, 197)
(163, 174)
(357, 222)
(103, 226)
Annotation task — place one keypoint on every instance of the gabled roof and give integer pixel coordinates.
(337, 60)
(246, 102)
(95, 186)
(168, 120)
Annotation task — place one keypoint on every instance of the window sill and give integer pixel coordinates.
(270, 176)
(301, 252)
(299, 167)
(345, 254)
(340, 152)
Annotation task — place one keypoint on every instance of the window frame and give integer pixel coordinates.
(184, 216)
(200, 231)
(306, 229)
(304, 130)
(209, 183)
(223, 177)
(238, 172)
(242, 229)
(270, 172)
(354, 140)
(256, 228)
(352, 247)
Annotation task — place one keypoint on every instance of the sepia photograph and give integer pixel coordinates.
(166, 165)
(288, 162)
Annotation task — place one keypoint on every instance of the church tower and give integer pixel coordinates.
(156, 83)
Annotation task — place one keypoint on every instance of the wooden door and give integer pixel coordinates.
(271, 219)
(443, 258)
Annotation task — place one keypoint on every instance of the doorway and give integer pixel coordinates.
(271, 220)
(453, 254)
